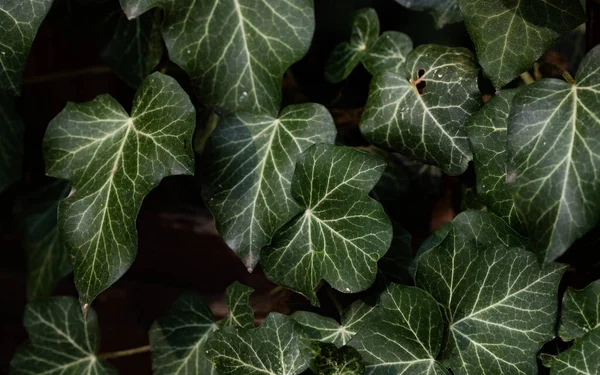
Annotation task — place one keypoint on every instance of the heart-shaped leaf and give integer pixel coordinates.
(273, 349)
(11, 141)
(19, 22)
(554, 158)
(422, 113)
(388, 54)
(249, 163)
(61, 340)
(581, 359)
(403, 335)
(237, 300)
(511, 35)
(113, 161)
(443, 11)
(580, 312)
(499, 304)
(487, 131)
(340, 234)
(235, 51)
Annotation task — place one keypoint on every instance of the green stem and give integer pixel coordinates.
(527, 78)
(125, 353)
(568, 77)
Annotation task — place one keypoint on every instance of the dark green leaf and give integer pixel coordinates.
(443, 11)
(11, 139)
(331, 360)
(394, 266)
(237, 300)
(511, 35)
(422, 113)
(554, 158)
(580, 311)
(61, 341)
(114, 160)
(19, 22)
(388, 54)
(340, 234)
(583, 358)
(249, 163)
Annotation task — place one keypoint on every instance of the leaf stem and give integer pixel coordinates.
(125, 353)
(527, 78)
(102, 69)
(568, 77)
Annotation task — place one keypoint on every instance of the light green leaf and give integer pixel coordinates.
(499, 304)
(19, 22)
(510, 36)
(581, 359)
(487, 130)
(235, 51)
(554, 158)
(177, 339)
(328, 359)
(325, 329)
(340, 234)
(11, 140)
(422, 113)
(403, 335)
(240, 312)
(580, 311)
(273, 349)
(443, 11)
(249, 163)
(47, 259)
(61, 341)
(114, 160)
(388, 54)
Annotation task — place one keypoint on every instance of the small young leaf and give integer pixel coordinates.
(273, 349)
(388, 54)
(580, 312)
(554, 158)
(583, 358)
(331, 360)
(237, 300)
(403, 335)
(500, 305)
(11, 140)
(235, 51)
(19, 22)
(487, 131)
(511, 35)
(61, 340)
(422, 113)
(249, 163)
(177, 339)
(340, 234)
(113, 161)
(443, 11)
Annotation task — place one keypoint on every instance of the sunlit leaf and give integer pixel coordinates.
(580, 312)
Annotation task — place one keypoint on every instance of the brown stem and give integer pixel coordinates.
(125, 353)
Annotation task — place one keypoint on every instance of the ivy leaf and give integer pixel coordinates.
(340, 234)
(554, 158)
(325, 329)
(11, 139)
(113, 161)
(487, 131)
(581, 358)
(19, 22)
(510, 36)
(388, 54)
(177, 339)
(61, 340)
(274, 348)
(249, 163)
(47, 259)
(404, 335)
(235, 51)
(422, 113)
(499, 304)
(580, 312)
(443, 11)
(328, 359)
(240, 312)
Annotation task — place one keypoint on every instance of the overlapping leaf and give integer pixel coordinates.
(580, 312)
(249, 163)
(19, 22)
(340, 234)
(554, 158)
(47, 259)
(487, 131)
(61, 341)
(328, 359)
(581, 359)
(237, 300)
(177, 339)
(235, 51)
(443, 11)
(274, 348)
(422, 113)
(500, 305)
(11, 141)
(388, 54)
(511, 35)
(113, 160)
(404, 335)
